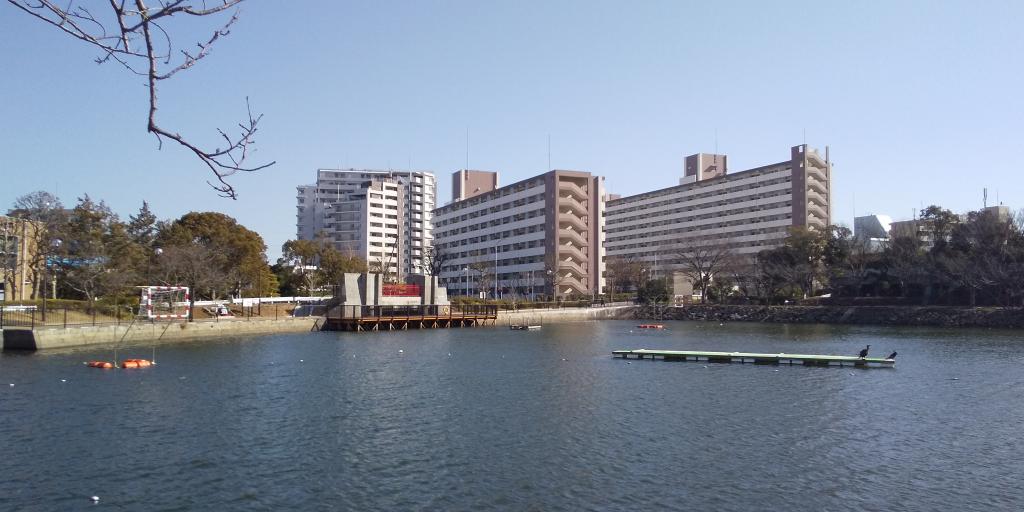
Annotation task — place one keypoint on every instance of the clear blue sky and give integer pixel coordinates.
(920, 101)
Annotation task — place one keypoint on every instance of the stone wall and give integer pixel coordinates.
(550, 316)
(942, 316)
(41, 339)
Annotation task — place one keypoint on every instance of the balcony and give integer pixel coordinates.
(579, 207)
(573, 188)
(568, 220)
(569, 284)
(581, 240)
(572, 251)
(572, 266)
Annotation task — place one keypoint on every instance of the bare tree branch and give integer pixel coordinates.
(156, 60)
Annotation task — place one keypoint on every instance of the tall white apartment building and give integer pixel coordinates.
(381, 216)
(746, 211)
(539, 236)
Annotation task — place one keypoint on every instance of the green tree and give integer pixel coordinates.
(807, 248)
(94, 255)
(142, 227)
(240, 253)
(302, 256)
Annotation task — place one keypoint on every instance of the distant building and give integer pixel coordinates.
(381, 216)
(746, 212)
(17, 250)
(870, 227)
(920, 230)
(541, 235)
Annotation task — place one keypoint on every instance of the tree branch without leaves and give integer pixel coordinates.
(138, 40)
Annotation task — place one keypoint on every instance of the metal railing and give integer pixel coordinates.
(33, 317)
(416, 312)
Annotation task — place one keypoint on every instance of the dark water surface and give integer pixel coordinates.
(491, 419)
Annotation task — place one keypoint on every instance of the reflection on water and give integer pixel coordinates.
(472, 419)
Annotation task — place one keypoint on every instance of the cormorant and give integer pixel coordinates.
(864, 353)
(892, 356)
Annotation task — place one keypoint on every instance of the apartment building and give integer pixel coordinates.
(746, 211)
(381, 216)
(539, 236)
(18, 239)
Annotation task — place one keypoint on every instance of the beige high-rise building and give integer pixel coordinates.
(746, 211)
(539, 236)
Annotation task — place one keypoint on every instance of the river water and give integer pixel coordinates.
(492, 419)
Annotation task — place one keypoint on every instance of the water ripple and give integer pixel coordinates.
(521, 421)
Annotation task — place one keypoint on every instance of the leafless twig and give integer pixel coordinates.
(137, 40)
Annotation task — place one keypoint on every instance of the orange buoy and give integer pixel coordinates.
(650, 326)
(99, 364)
(135, 363)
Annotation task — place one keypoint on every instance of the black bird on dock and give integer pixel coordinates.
(864, 353)
(892, 356)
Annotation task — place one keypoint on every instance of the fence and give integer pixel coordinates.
(419, 312)
(587, 303)
(33, 317)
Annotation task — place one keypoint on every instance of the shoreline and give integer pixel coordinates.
(167, 332)
(924, 316)
(84, 336)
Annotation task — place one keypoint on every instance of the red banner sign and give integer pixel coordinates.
(401, 290)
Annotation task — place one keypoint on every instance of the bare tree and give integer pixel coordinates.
(554, 276)
(701, 261)
(623, 272)
(197, 266)
(434, 260)
(385, 265)
(484, 274)
(47, 219)
(138, 37)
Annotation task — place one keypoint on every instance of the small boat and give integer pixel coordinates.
(99, 364)
(135, 363)
(524, 327)
(650, 326)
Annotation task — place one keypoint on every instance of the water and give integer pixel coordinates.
(514, 420)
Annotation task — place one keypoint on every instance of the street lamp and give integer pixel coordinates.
(56, 243)
(466, 270)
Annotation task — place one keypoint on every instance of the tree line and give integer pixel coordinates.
(87, 252)
(948, 259)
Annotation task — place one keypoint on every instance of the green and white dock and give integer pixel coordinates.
(754, 358)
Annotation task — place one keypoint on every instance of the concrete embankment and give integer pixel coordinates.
(939, 316)
(51, 338)
(551, 316)
(41, 339)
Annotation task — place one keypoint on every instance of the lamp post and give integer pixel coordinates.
(466, 270)
(551, 279)
(45, 282)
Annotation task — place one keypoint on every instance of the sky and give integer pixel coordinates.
(920, 102)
